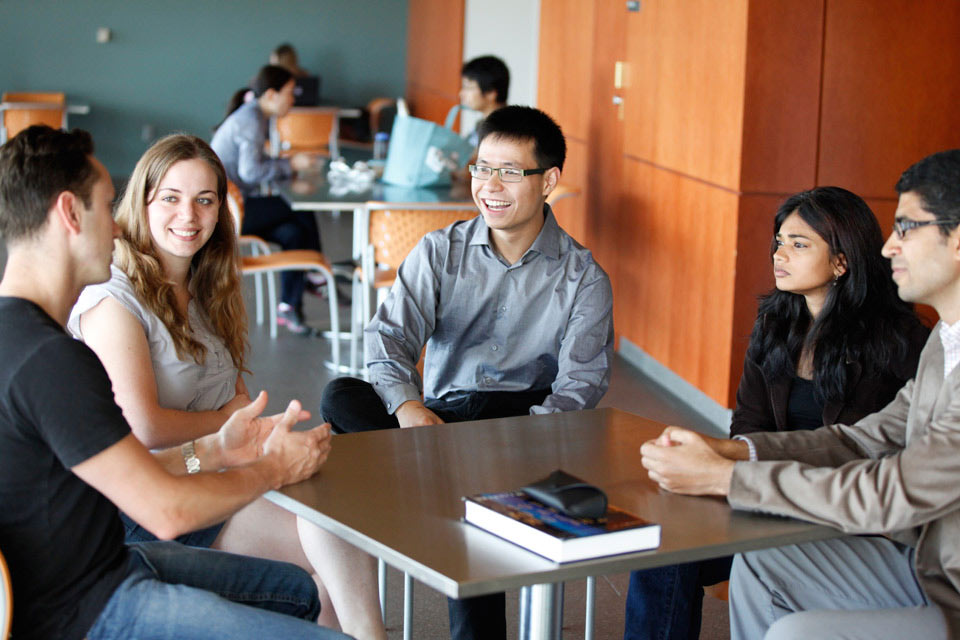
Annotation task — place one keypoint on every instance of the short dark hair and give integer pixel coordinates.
(490, 73)
(284, 49)
(526, 123)
(36, 166)
(936, 179)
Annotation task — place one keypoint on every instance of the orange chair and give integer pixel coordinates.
(20, 110)
(307, 130)
(392, 231)
(6, 599)
(266, 262)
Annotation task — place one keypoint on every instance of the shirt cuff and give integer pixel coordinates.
(395, 395)
(750, 446)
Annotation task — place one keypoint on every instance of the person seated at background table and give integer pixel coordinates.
(239, 141)
(832, 343)
(286, 56)
(484, 84)
(892, 475)
(515, 315)
(170, 329)
(68, 459)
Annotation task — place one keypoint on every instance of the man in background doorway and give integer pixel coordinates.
(484, 83)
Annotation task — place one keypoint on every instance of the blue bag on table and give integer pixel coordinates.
(422, 153)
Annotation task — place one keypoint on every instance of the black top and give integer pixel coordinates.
(62, 539)
(762, 403)
(804, 411)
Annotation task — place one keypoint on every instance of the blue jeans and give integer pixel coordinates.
(667, 602)
(176, 592)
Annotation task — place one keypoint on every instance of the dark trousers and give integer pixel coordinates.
(272, 219)
(351, 405)
(667, 602)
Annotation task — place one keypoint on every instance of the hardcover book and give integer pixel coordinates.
(517, 518)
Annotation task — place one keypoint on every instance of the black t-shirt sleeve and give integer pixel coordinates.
(65, 389)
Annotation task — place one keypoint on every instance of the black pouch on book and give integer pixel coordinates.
(569, 495)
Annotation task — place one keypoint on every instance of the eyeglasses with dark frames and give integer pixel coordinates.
(507, 174)
(902, 225)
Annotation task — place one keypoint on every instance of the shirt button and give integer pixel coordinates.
(495, 347)
(502, 309)
(488, 380)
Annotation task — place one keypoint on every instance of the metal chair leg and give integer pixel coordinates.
(382, 585)
(272, 301)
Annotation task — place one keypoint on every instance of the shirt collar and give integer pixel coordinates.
(547, 241)
(950, 341)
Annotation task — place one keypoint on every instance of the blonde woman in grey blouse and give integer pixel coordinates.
(170, 329)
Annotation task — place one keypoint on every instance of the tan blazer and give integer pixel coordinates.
(895, 472)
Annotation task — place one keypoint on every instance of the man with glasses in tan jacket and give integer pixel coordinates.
(892, 480)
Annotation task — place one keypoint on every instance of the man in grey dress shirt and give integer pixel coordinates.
(892, 478)
(515, 315)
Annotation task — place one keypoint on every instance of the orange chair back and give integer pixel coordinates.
(17, 119)
(306, 131)
(394, 233)
(6, 599)
(235, 204)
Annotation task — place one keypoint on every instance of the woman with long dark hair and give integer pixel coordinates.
(239, 141)
(832, 343)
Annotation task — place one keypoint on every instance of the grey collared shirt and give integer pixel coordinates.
(544, 322)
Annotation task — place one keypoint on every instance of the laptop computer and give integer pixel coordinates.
(307, 92)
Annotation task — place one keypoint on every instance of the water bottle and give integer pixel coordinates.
(380, 142)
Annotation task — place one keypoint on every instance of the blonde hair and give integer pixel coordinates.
(214, 270)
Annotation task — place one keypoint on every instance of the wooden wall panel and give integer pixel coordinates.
(564, 78)
(679, 239)
(890, 90)
(684, 100)
(571, 212)
(782, 96)
(565, 64)
(603, 196)
(434, 56)
(754, 275)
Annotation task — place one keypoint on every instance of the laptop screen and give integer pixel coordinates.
(307, 92)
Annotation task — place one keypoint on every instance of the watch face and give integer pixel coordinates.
(190, 458)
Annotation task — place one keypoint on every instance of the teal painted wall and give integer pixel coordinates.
(173, 64)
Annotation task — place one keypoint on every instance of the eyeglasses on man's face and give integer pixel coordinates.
(507, 174)
(902, 225)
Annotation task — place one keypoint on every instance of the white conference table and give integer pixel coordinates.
(397, 495)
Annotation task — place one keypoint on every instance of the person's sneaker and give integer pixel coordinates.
(293, 320)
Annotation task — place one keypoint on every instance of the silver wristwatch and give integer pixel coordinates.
(190, 458)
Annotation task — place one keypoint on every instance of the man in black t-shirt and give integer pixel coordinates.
(68, 459)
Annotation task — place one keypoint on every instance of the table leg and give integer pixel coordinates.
(407, 606)
(591, 607)
(541, 611)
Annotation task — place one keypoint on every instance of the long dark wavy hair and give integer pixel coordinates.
(862, 319)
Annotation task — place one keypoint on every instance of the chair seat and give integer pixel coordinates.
(293, 259)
